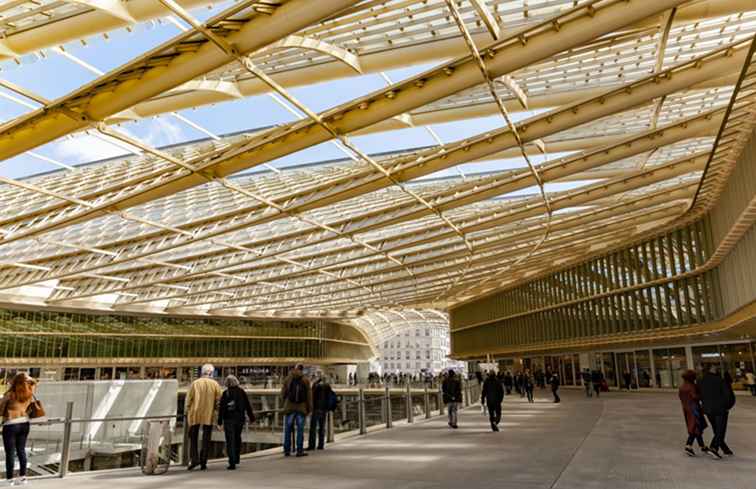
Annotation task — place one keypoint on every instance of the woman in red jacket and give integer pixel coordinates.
(694, 420)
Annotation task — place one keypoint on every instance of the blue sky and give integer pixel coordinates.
(54, 76)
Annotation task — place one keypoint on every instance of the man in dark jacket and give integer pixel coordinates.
(555, 383)
(452, 395)
(597, 379)
(492, 396)
(297, 397)
(508, 382)
(714, 403)
(234, 404)
(321, 404)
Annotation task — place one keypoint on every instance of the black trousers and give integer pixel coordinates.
(14, 443)
(697, 438)
(199, 457)
(494, 413)
(718, 424)
(723, 441)
(597, 389)
(317, 425)
(233, 431)
(555, 391)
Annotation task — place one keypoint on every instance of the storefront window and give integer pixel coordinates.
(643, 368)
(705, 357)
(670, 364)
(736, 359)
(606, 362)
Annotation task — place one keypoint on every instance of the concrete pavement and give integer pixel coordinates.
(622, 441)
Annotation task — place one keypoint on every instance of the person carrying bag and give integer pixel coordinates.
(16, 408)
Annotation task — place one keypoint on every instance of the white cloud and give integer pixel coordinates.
(84, 148)
(163, 131)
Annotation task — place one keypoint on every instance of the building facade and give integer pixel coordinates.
(419, 350)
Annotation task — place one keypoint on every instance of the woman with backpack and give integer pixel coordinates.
(14, 407)
(234, 404)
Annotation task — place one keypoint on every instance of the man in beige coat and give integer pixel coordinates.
(202, 409)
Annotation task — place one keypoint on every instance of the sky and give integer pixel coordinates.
(53, 74)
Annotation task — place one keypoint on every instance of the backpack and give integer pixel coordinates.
(333, 401)
(297, 393)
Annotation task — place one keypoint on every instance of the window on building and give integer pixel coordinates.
(427, 332)
(406, 355)
(427, 354)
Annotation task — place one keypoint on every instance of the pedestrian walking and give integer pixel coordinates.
(627, 379)
(528, 385)
(234, 406)
(730, 397)
(597, 379)
(714, 402)
(202, 404)
(323, 401)
(751, 382)
(492, 396)
(555, 383)
(297, 397)
(14, 407)
(508, 382)
(587, 385)
(694, 419)
(452, 397)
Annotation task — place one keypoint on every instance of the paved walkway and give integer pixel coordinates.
(622, 441)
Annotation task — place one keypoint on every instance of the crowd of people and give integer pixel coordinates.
(301, 397)
(706, 402)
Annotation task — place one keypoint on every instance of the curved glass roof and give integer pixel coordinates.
(373, 160)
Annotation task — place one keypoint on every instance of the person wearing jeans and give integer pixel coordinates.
(289, 424)
(297, 396)
(452, 396)
(14, 407)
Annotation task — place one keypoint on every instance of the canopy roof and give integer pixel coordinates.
(606, 116)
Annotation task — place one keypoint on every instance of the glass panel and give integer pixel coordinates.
(643, 368)
(736, 361)
(705, 357)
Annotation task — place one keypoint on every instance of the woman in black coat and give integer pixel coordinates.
(234, 404)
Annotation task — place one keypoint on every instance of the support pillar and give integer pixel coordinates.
(409, 404)
(426, 401)
(387, 402)
(361, 411)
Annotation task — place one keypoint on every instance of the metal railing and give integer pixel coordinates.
(369, 407)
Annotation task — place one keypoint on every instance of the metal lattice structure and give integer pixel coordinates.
(623, 97)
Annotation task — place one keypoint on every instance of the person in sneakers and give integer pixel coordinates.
(694, 418)
(234, 405)
(14, 407)
(714, 402)
(201, 406)
(452, 397)
(492, 396)
(297, 397)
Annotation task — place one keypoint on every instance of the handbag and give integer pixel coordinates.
(36, 410)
